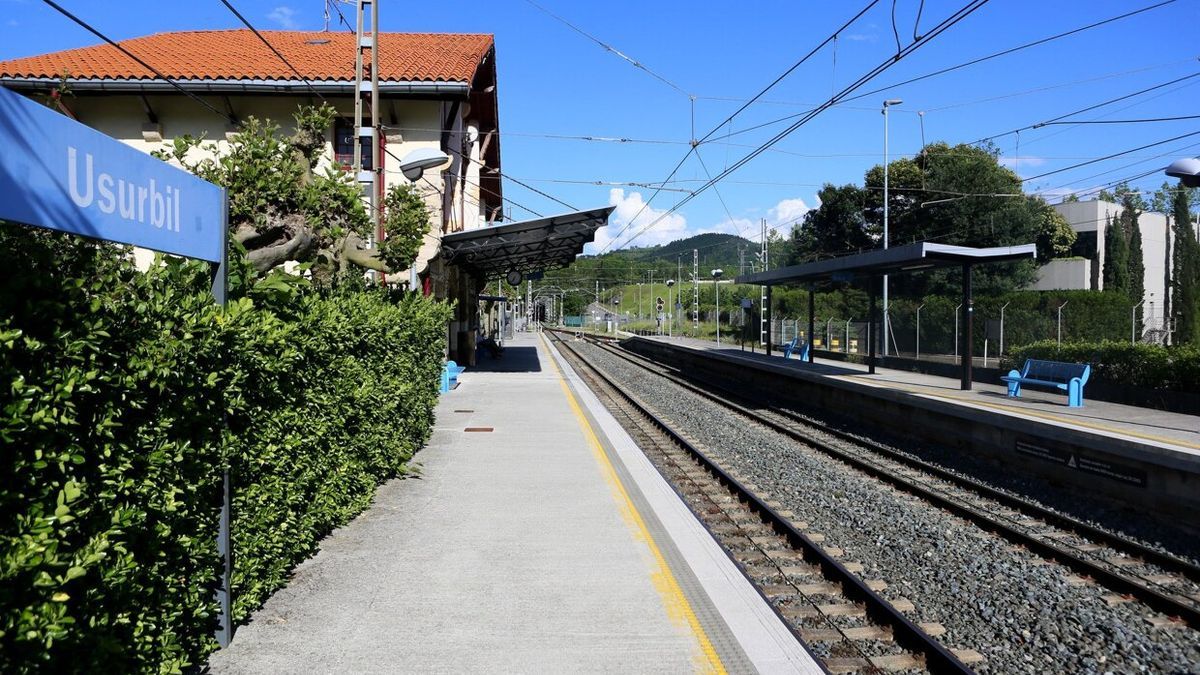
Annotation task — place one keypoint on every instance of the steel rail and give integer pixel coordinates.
(938, 658)
(1162, 602)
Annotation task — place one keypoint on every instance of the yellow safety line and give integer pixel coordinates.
(920, 389)
(673, 599)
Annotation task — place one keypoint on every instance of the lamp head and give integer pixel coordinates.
(670, 282)
(716, 274)
(414, 163)
(1186, 170)
(892, 101)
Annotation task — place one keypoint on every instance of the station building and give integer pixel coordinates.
(437, 91)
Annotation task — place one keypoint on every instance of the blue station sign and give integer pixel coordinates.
(62, 175)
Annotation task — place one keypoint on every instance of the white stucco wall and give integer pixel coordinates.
(1064, 274)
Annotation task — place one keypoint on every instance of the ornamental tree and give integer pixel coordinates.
(282, 208)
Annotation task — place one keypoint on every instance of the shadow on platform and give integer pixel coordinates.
(514, 360)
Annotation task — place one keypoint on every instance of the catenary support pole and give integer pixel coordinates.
(770, 321)
(968, 335)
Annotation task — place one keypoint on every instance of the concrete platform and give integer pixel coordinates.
(536, 538)
(1139, 454)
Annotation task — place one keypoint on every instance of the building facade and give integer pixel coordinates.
(1084, 269)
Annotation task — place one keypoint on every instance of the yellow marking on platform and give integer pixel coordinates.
(674, 601)
(923, 390)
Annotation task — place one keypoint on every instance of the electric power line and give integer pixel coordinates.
(747, 104)
(947, 23)
(609, 48)
(972, 62)
(1107, 157)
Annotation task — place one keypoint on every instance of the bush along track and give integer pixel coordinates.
(116, 383)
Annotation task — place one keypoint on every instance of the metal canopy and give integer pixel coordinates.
(527, 246)
(908, 258)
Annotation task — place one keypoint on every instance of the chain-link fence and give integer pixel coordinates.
(933, 329)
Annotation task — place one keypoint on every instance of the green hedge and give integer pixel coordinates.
(1138, 365)
(115, 387)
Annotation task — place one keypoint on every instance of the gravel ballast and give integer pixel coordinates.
(1022, 613)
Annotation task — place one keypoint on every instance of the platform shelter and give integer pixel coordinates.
(873, 265)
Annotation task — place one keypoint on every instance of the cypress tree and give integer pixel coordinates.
(1116, 257)
(1187, 271)
(1137, 259)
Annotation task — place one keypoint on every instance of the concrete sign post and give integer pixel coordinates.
(58, 174)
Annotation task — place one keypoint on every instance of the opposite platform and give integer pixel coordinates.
(533, 540)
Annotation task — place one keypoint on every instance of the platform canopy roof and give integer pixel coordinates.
(908, 258)
(524, 247)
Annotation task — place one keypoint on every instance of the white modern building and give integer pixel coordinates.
(1084, 270)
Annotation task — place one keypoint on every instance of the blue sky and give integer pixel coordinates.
(556, 82)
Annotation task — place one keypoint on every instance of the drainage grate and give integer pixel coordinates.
(464, 411)
(478, 429)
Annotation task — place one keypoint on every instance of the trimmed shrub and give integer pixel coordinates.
(116, 383)
(1137, 365)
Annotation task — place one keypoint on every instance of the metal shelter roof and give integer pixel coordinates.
(908, 258)
(527, 246)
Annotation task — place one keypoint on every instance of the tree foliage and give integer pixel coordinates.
(1186, 284)
(1116, 256)
(281, 208)
(958, 195)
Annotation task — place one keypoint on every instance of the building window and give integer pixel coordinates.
(343, 144)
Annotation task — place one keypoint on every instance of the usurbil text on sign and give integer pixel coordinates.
(59, 174)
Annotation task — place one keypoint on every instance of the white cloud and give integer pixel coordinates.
(630, 207)
(787, 211)
(1014, 162)
(284, 16)
(675, 226)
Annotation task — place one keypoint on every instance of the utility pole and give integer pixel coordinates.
(695, 292)
(370, 179)
(763, 317)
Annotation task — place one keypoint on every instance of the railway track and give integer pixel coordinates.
(1133, 571)
(842, 617)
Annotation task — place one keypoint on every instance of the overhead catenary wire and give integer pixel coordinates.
(89, 28)
(1111, 156)
(609, 48)
(743, 107)
(978, 60)
(947, 23)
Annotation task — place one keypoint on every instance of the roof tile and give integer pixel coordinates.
(240, 55)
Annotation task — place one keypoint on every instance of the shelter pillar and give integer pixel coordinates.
(968, 335)
(812, 289)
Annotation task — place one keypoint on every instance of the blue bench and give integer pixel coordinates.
(450, 373)
(1069, 377)
(790, 348)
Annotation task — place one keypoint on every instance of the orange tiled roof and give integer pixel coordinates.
(240, 55)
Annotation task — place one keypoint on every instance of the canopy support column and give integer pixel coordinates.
(968, 335)
(812, 288)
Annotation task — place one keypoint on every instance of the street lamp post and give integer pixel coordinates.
(956, 311)
(716, 274)
(886, 104)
